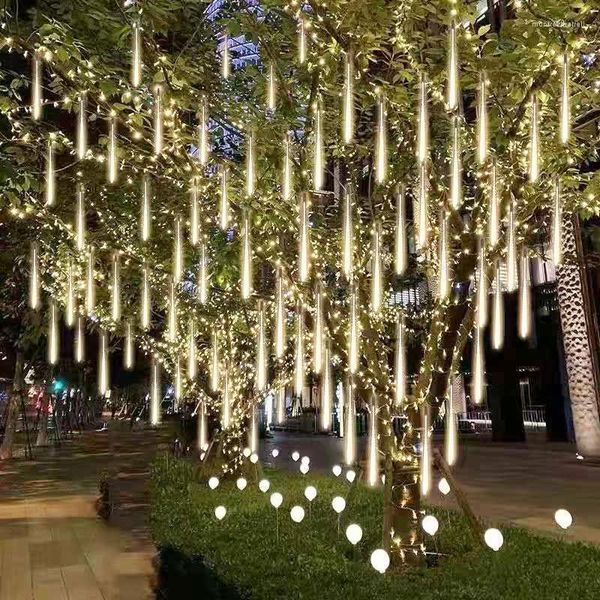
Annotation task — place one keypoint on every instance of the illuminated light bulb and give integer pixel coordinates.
(225, 59)
(246, 256)
(275, 453)
(172, 314)
(482, 120)
(494, 539)
(350, 433)
(194, 216)
(534, 141)
(155, 416)
(525, 318)
(70, 298)
(80, 339)
(556, 234)
(373, 451)
(456, 166)
(103, 364)
(430, 525)
(494, 207)
(336, 470)
(326, 388)
(444, 486)
(380, 560)
(497, 333)
(158, 119)
(512, 279)
(353, 331)
(214, 368)
(350, 476)
(90, 284)
(264, 485)
(400, 363)
(203, 146)
(261, 350)
(146, 216)
(192, 363)
(224, 198)
(178, 384)
(425, 464)
(348, 105)
(50, 191)
(423, 209)
(381, 142)
(377, 274)
(116, 287)
(400, 248)
(451, 429)
(82, 136)
(203, 275)
(563, 518)
(146, 304)
(338, 504)
(354, 533)
(301, 42)
(226, 402)
(53, 334)
(453, 91)
(444, 278)
(250, 166)
(299, 359)
(276, 500)
(318, 150)
(280, 404)
(37, 99)
(253, 435)
(478, 367)
(34, 276)
(129, 348)
(565, 102)
(304, 239)
(280, 325)
(318, 332)
(178, 251)
(202, 427)
(286, 175)
(112, 162)
(348, 234)
(136, 55)
(481, 309)
(310, 493)
(80, 223)
(422, 121)
(271, 89)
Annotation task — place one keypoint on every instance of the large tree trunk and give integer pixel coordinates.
(6, 451)
(573, 300)
(42, 436)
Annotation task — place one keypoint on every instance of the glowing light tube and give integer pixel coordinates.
(318, 151)
(178, 384)
(70, 298)
(347, 235)
(444, 279)
(481, 311)
(280, 404)
(136, 55)
(192, 363)
(250, 166)
(478, 366)
(82, 136)
(155, 388)
(271, 89)
(301, 42)
(146, 304)
(525, 321)
(194, 216)
(90, 284)
(556, 235)
(497, 334)
(113, 160)
(37, 99)
(350, 422)
(50, 175)
(214, 365)
(304, 239)
(400, 364)
(353, 331)
(80, 339)
(348, 105)
(80, 222)
(146, 215)
(400, 248)
(425, 464)
(225, 59)
(494, 208)
(318, 333)
(34, 276)
(373, 446)
(422, 121)
(287, 172)
(299, 359)
(172, 315)
(116, 288)
(158, 119)
(129, 348)
(224, 202)
(261, 350)
(451, 429)
(246, 256)
(381, 142)
(512, 279)
(423, 209)
(103, 366)
(453, 90)
(456, 166)
(377, 269)
(280, 325)
(178, 251)
(482, 120)
(53, 334)
(565, 102)
(326, 389)
(203, 145)
(202, 427)
(534, 141)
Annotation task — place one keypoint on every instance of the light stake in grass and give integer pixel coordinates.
(276, 500)
(310, 493)
(338, 504)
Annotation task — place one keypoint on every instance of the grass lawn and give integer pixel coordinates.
(310, 561)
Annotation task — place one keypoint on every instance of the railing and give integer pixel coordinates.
(533, 418)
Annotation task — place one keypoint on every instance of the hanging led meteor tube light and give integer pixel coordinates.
(112, 161)
(481, 312)
(512, 280)
(116, 288)
(82, 136)
(129, 347)
(556, 235)
(534, 141)
(80, 222)
(250, 166)
(304, 239)
(214, 365)
(103, 365)
(136, 55)
(497, 334)
(353, 330)
(261, 350)
(423, 209)
(271, 89)
(525, 321)
(225, 59)
(425, 463)
(318, 333)
(453, 91)
(482, 120)
(422, 121)
(400, 364)
(53, 334)
(478, 367)
(172, 314)
(565, 102)
(301, 41)
(400, 249)
(80, 340)
(90, 286)
(326, 388)
(146, 305)
(347, 235)
(494, 207)
(37, 99)
(192, 365)
(155, 413)
(350, 422)
(381, 142)
(34, 276)
(286, 176)
(50, 175)
(456, 166)
(178, 251)
(158, 119)
(299, 359)
(280, 325)
(203, 149)
(451, 429)
(319, 152)
(146, 215)
(373, 446)
(70, 298)
(377, 269)
(348, 104)
(224, 202)
(444, 279)
(246, 256)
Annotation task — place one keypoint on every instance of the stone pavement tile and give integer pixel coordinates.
(81, 583)
(132, 587)
(15, 581)
(48, 584)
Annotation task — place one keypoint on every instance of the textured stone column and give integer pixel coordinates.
(577, 340)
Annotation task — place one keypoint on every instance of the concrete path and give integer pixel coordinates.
(520, 484)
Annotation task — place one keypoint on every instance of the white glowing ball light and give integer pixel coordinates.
(337, 470)
(380, 560)
(338, 504)
(304, 468)
(275, 453)
(444, 486)
(295, 456)
(297, 514)
(310, 493)
(276, 499)
(264, 485)
(305, 459)
(220, 512)
(213, 483)
(241, 484)
(563, 518)
(254, 458)
(351, 476)
(354, 533)
(494, 539)
(247, 452)
(430, 524)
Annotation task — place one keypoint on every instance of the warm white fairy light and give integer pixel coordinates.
(524, 322)
(172, 313)
(146, 216)
(494, 207)
(178, 250)
(286, 175)
(155, 416)
(194, 216)
(301, 41)
(53, 334)
(225, 59)
(177, 384)
(423, 121)
(453, 91)
(381, 166)
(303, 239)
(136, 55)
(350, 421)
(478, 367)
(34, 277)
(450, 429)
(112, 162)
(80, 221)
(444, 279)
(202, 427)
(70, 297)
(37, 99)
(158, 119)
(318, 331)
(347, 234)
(203, 149)
(456, 166)
(226, 401)
(115, 303)
(224, 198)
(299, 357)
(482, 120)
(82, 137)
(376, 269)
(145, 305)
(400, 364)
(423, 209)
(280, 404)
(400, 247)
(50, 191)
(214, 361)
(250, 165)
(353, 330)
(512, 279)
(271, 89)
(326, 388)
(556, 234)
(203, 274)
(129, 347)
(90, 283)
(534, 140)
(192, 359)
(565, 101)
(373, 446)
(80, 339)
(318, 149)
(497, 333)
(280, 325)
(103, 365)
(262, 366)
(425, 464)
(348, 106)
(246, 256)
(481, 309)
